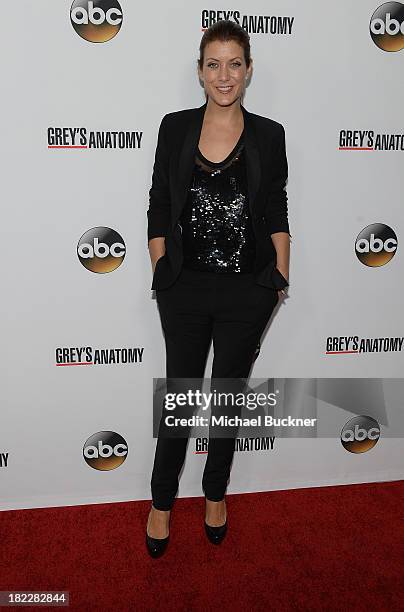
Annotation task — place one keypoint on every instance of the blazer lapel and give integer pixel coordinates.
(187, 153)
(253, 158)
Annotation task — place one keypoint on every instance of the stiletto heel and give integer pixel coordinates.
(216, 534)
(156, 546)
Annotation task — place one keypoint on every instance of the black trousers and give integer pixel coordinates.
(233, 310)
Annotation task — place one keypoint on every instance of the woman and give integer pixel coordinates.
(218, 238)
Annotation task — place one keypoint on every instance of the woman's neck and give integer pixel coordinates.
(224, 116)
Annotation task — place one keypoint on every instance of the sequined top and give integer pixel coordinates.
(216, 225)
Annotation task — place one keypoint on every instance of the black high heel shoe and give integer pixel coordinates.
(216, 534)
(156, 546)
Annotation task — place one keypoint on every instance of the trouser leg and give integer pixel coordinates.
(242, 311)
(187, 328)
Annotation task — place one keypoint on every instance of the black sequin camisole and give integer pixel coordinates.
(216, 225)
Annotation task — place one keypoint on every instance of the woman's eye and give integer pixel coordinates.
(214, 64)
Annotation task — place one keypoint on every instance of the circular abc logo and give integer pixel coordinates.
(360, 434)
(376, 245)
(387, 26)
(101, 249)
(96, 20)
(105, 450)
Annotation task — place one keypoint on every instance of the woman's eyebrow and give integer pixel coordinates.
(216, 60)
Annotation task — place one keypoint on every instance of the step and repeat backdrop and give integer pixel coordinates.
(86, 85)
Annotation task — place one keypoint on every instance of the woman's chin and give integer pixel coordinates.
(224, 100)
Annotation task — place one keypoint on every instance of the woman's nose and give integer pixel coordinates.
(223, 73)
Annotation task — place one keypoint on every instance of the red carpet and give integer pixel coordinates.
(330, 548)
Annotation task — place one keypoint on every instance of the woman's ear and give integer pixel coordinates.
(249, 69)
(199, 71)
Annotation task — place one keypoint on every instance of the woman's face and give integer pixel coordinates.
(224, 71)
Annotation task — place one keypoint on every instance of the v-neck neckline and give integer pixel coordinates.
(224, 161)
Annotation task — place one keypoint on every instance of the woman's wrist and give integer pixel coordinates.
(156, 249)
(155, 260)
(285, 273)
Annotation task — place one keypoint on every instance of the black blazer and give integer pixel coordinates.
(267, 171)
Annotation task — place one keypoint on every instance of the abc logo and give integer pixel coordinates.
(376, 245)
(96, 20)
(360, 434)
(105, 450)
(387, 26)
(101, 250)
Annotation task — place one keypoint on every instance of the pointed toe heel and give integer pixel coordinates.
(156, 546)
(216, 534)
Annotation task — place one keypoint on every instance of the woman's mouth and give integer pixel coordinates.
(225, 89)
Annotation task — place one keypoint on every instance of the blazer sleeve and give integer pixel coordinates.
(158, 213)
(277, 207)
